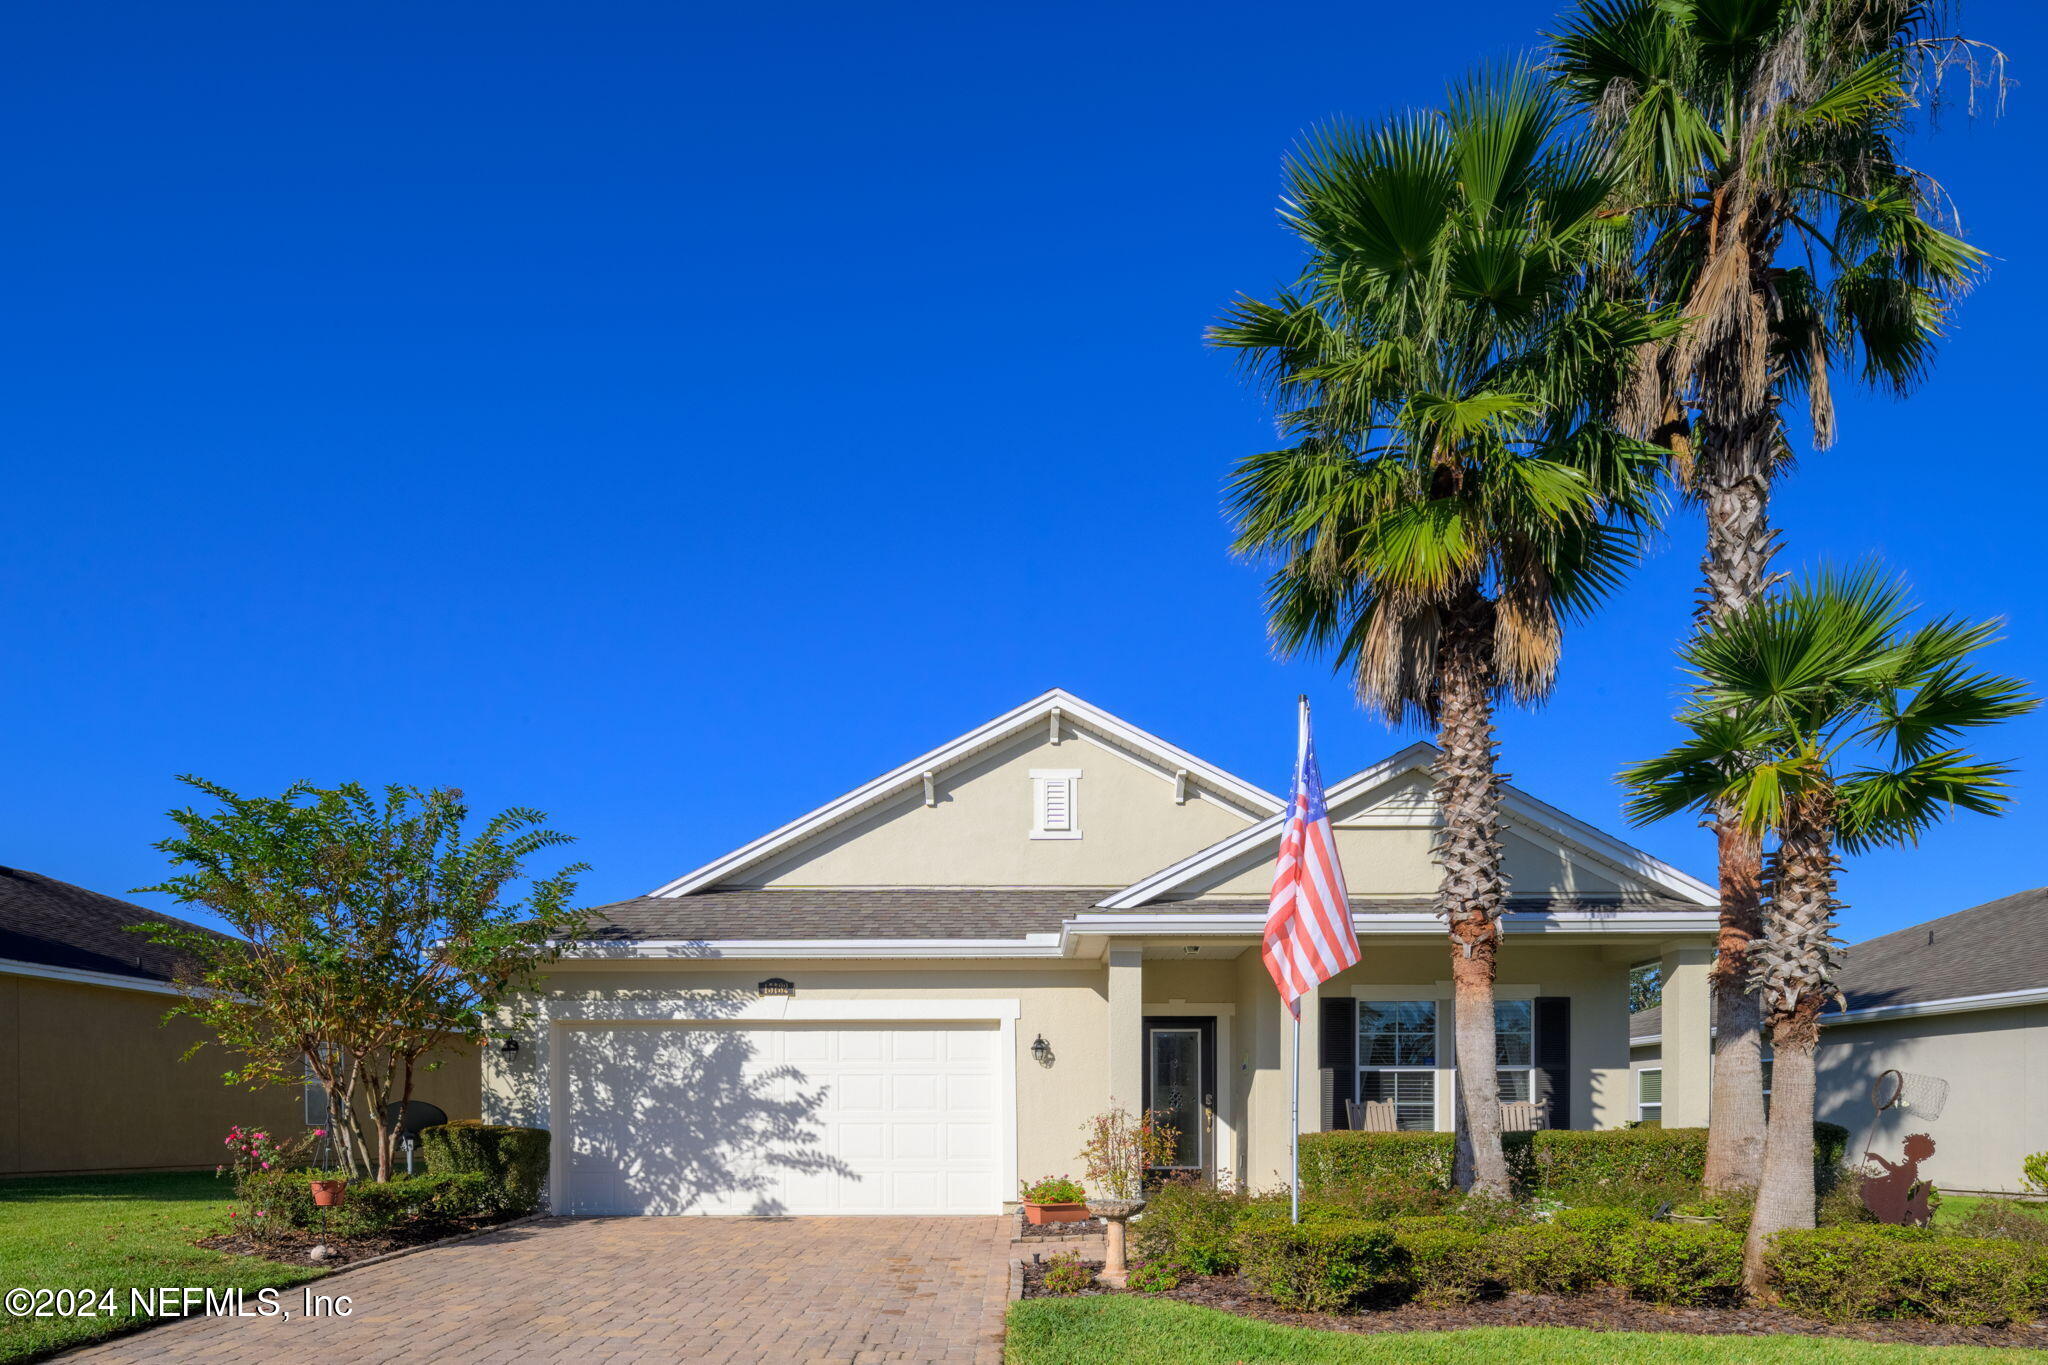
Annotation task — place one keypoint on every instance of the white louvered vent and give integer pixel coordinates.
(1054, 809)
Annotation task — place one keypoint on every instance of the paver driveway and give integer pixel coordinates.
(643, 1289)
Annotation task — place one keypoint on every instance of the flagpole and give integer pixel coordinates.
(1294, 1090)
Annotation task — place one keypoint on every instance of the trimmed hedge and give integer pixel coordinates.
(1325, 1266)
(1874, 1271)
(1678, 1263)
(514, 1159)
(1560, 1162)
(282, 1199)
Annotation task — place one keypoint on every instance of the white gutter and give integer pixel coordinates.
(681, 950)
(1955, 1004)
(12, 967)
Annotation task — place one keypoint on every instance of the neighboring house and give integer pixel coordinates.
(1958, 1006)
(915, 995)
(91, 1077)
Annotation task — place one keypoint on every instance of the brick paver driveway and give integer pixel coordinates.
(643, 1289)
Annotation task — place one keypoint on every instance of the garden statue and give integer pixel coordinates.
(1900, 1196)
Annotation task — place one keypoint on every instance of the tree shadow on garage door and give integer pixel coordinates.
(668, 1119)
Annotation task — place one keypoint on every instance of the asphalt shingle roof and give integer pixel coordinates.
(2001, 945)
(934, 912)
(56, 924)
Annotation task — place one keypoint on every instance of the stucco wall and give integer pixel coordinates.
(1396, 862)
(978, 833)
(1996, 1066)
(90, 1080)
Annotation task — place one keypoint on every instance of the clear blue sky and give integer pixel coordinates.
(673, 415)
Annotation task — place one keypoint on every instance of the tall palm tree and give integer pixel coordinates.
(1757, 146)
(1823, 717)
(1452, 493)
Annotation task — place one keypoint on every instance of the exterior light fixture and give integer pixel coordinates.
(1041, 1051)
(776, 985)
(509, 1045)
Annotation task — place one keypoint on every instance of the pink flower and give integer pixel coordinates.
(266, 1165)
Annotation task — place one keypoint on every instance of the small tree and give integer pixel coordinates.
(375, 933)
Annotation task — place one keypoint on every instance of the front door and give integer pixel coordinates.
(1180, 1089)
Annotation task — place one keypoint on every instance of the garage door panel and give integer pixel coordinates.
(780, 1119)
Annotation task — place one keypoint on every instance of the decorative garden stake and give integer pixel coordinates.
(1900, 1196)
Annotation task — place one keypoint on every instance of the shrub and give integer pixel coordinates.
(2034, 1172)
(1154, 1277)
(1841, 1200)
(1618, 1165)
(1053, 1189)
(1193, 1224)
(1830, 1146)
(1884, 1272)
(1333, 1161)
(1449, 1264)
(1601, 1223)
(514, 1159)
(2008, 1218)
(1064, 1274)
(1324, 1266)
(1543, 1258)
(1378, 1198)
(277, 1201)
(1678, 1264)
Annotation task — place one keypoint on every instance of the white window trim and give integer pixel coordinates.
(1641, 1072)
(1041, 779)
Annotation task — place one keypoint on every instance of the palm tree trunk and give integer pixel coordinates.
(1732, 478)
(1472, 891)
(1735, 1134)
(1795, 963)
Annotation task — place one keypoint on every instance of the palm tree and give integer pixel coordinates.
(1823, 717)
(1452, 494)
(1756, 143)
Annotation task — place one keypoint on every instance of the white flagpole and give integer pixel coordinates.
(1294, 1007)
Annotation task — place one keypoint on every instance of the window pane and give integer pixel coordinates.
(1397, 1033)
(1514, 1033)
(1514, 1087)
(1652, 1084)
(1413, 1094)
(1652, 1113)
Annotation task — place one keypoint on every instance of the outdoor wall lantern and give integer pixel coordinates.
(509, 1045)
(775, 985)
(1041, 1051)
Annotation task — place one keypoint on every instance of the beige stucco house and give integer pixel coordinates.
(917, 994)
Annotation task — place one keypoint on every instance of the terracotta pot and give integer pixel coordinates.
(1702, 1220)
(328, 1193)
(1040, 1214)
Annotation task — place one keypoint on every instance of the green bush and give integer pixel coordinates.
(1844, 1273)
(1544, 1258)
(1830, 1146)
(1154, 1277)
(1678, 1264)
(1192, 1224)
(283, 1200)
(514, 1159)
(1602, 1224)
(1324, 1266)
(2009, 1218)
(1333, 1161)
(1449, 1264)
(1065, 1274)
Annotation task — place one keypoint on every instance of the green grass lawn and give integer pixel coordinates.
(114, 1231)
(1953, 1208)
(1120, 1330)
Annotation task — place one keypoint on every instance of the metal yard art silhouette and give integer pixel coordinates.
(1899, 1196)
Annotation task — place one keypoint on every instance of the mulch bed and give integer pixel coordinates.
(290, 1244)
(1055, 1232)
(1608, 1310)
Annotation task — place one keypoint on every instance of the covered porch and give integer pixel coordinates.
(1196, 1031)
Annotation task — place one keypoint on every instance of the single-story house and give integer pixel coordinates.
(92, 1078)
(1956, 1011)
(917, 994)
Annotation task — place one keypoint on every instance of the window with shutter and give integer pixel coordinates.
(1054, 803)
(1650, 1094)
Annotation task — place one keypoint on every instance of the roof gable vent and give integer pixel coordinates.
(1055, 812)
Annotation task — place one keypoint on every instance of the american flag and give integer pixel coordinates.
(1309, 935)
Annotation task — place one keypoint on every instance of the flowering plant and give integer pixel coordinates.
(254, 1149)
(1120, 1149)
(1053, 1189)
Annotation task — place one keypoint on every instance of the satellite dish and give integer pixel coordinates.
(412, 1116)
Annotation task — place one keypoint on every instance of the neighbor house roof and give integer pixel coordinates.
(1990, 949)
(55, 924)
(1645, 1025)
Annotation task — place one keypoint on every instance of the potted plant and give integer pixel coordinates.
(1119, 1150)
(328, 1191)
(1054, 1199)
(1699, 1213)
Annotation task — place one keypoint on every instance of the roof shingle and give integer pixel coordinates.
(56, 924)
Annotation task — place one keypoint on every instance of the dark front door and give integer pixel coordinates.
(1180, 1089)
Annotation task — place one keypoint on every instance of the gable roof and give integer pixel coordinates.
(55, 924)
(1525, 810)
(1233, 790)
(1989, 949)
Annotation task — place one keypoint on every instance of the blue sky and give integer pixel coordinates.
(672, 416)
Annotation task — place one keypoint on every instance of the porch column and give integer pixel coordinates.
(1127, 1028)
(1688, 1036)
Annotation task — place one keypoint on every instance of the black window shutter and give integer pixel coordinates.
(1338, 1056)
(1553, 1076)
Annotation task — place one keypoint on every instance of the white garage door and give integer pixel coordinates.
(783, 1118)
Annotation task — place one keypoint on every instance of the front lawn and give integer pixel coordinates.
(1123, 1330)
(118, 1232)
